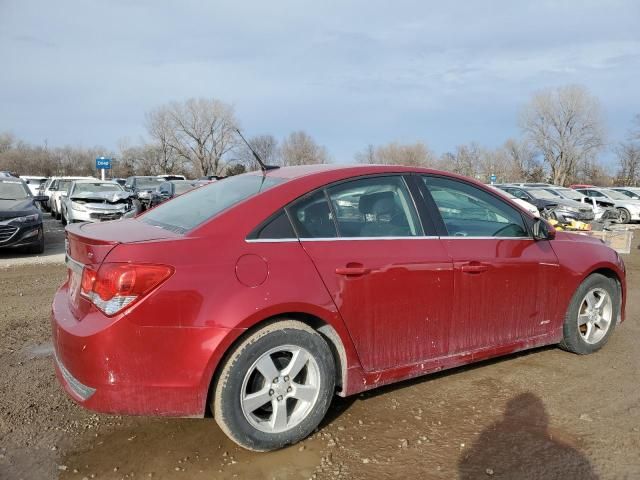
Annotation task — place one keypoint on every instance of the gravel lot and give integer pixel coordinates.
(541, 414)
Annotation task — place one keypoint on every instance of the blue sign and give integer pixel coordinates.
(493, 178)
(103, 163)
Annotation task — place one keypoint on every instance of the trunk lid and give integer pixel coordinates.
(90, 243)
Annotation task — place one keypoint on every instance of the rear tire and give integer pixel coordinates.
(262, 413)
(625, 216)
(63, 219)
(592, 315)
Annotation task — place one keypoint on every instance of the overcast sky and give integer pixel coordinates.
(349, 73)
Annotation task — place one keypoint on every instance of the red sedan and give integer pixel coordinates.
(260, 296)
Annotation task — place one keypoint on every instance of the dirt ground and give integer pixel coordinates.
(541, 414)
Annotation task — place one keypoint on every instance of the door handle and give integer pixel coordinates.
(352, 270)
(474, 267)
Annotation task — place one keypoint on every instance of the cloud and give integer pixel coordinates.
(350, 73)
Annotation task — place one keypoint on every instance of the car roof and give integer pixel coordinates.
(345, 170)
(88, 180)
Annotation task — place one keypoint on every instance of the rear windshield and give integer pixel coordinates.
(186, 212)
(570, 194)
(151, 182)
(13, 190)
(96, 187)
(542, 194)
(184, 187)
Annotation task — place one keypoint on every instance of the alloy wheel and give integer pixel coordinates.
(595, 315)
(280, 389)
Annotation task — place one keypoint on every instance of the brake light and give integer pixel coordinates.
(115, 286)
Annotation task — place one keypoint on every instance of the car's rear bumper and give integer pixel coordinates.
(114, 365)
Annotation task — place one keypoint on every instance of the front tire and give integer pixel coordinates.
(275, 387)
(38, 246)
(592, 315)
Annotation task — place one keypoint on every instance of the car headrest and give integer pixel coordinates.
(317, 212)
(379, 201)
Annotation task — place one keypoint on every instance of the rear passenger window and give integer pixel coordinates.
(312, 217)
(277, 227)
(374, 207)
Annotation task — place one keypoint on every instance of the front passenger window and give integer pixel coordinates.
(468, 211)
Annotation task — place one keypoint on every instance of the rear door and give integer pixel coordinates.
(505, 281)
(389, 276)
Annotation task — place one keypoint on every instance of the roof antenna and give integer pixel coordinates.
(263, 166)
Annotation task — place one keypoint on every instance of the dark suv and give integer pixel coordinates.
(143, 187)
(20, 219)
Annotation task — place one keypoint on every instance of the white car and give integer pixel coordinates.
(523, 203)
(34, 183)
(632, 192)
(628, 208)
(97, 201)
(58, 189)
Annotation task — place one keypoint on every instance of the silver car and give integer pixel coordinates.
(602, 208)
(97, 201)
(629, 209)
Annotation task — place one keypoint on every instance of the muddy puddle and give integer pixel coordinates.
(182, 448)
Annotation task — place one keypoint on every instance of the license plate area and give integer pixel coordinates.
(75, 279)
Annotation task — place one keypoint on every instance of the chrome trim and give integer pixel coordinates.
(271, 240)
(81, 390)
(337, 239)
(73, 264)
(461, 237)
(12, 235)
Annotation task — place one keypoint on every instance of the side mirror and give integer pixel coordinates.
(40, 198)
(542, 230)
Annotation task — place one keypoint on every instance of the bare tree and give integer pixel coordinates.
(266, 146)
(565, 125)
(200, 131)
(159, 125)
(414, 154)
(300, 149)
(523, 160)
(628, 154)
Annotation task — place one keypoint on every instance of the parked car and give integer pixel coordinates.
(45, 190)
(603, 209)
(59, 189)
(256, 297)
(629, 209)
(34, 183)
(97, 201)
(531, 184)
(632, 192)
(532, 209)
(143, 187)
(20, 218)
(120, 181)
(168, 190)
(168, 177)
(564, 210)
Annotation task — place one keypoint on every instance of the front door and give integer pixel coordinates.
(391, 283)
(505, 281)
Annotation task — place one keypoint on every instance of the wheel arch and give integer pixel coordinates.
(615, 276)
(320, 325)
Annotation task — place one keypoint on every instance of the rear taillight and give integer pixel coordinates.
(115, 286)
